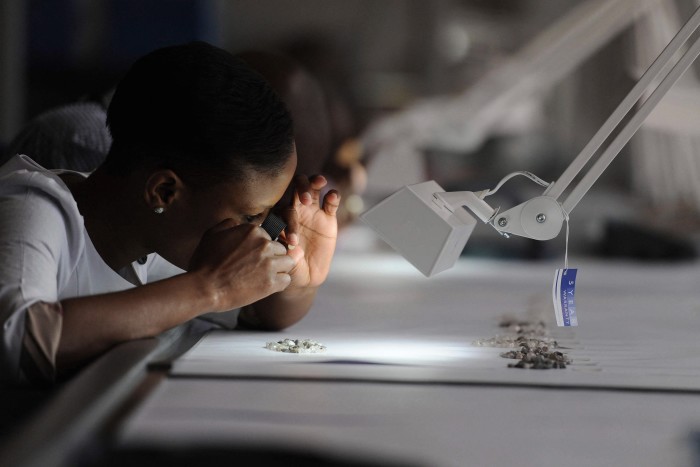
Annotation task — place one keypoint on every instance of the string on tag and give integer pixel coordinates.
(566, 247)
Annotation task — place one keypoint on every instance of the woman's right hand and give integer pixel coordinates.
(240, 264)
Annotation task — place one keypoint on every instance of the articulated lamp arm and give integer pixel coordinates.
(430, 227)
(541, 218)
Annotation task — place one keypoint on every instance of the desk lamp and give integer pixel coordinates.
(430, 227)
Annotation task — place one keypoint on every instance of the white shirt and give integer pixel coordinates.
(46, 253)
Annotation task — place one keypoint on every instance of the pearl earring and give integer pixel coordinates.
(159, 210)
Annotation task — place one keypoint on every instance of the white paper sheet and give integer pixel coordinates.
(636, 330)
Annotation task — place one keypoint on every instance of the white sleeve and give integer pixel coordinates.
(38, 248)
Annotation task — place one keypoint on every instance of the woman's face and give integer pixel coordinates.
(246, 202)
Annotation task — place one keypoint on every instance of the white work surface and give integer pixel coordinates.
(401, 380)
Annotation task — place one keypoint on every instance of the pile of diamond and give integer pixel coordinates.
(532, 347)
(537, 358)
(296, 346)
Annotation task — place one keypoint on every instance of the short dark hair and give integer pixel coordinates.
(197, 109)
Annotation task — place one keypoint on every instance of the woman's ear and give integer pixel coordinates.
(162, 189)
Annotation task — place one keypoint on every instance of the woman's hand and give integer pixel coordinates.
(239, 264)
(310, 236)
(312, 229)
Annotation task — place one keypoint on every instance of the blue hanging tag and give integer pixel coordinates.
(563, 296)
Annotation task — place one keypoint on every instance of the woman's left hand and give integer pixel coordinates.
(312, 229)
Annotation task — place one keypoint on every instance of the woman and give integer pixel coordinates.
(202, 151)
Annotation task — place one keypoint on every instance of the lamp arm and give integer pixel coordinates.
(430, 227)
(541, 217)
(659, 66)
(631, 127)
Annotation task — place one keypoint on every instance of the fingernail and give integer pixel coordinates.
(291, 247)
(293, 239)
(306, 196)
